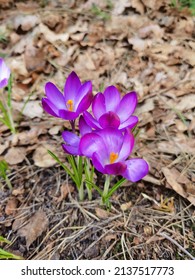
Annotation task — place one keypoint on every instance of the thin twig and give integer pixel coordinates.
(177, 244)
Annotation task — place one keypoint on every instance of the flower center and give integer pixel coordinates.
(113, 157)
(69, 105)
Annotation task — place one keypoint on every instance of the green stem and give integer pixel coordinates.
(81, 192)
(12, 125)
(106, 186)
(88, 176)
(8, 182)
(7, 114)
(9, 105)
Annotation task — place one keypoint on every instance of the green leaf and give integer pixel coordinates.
(3, 169)
(9, 91)
(6, 255)
(95, 187)
(2, 239)
(76, 179)
(80, 167)
(64, 167)
(114, 188)
(5, 119)
(59, 161)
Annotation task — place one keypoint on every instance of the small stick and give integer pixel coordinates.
(176, 243)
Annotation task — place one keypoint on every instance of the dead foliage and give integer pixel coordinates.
(146, 46)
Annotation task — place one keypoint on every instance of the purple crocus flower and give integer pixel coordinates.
(109, 149)
(110, 110)
(76, 98)
(72, 140)
(4, 73)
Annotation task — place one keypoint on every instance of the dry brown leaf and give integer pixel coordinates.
(34, 58)
(147, 230)
(42, 158)
(152, 180)
(189, 57)
(27, 7)
(32, 109)
(180, 125)
(19, 191)
(126, 206)
(26, 22)
(3, 147)
(138, 6)
(51, 36)
(37, 224)
(187, 102)
(137, 240)
(102, 214)
(155, 4)
(172, 181)
(177, 146)
(85, 61)
(151, 29)
(54, 129)
(28, 137)
(147, 106)
(18, 93)
(88, 4)
(111, 236)
(139, 44)
(65, 189)
(11, 206)
(119, 6)
(192, 125)
(51, 20)
(5, 3)
(17, 66)
(15, 155)
(182, 179)
(20, 219)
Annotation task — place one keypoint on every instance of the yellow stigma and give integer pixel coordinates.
(69, 105)
(113, 157)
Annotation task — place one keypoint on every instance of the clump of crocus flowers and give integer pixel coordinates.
(104, 140)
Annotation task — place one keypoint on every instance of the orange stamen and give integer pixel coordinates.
(69, 105)
(113, 157)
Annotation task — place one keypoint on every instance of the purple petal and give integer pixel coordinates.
(90, 143)
(68, 115)
(71, 149)
(97, 162)
(127, 146)
(84, 104)
(72, 86)
(90, 120)
(136, 169)
(55, 96)
(98, 105)
(3, 83)
(112, 138)
(70, 138)
(116, 168)
(83, 91)
(83, 126)
(127, 106)
(112, 98)
(109, 119)
(129, 123)
(49, 107)
(72, 143)
(4, 73)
